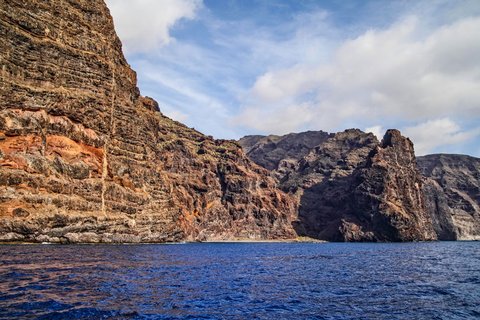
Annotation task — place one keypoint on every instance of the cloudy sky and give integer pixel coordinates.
(235, 67)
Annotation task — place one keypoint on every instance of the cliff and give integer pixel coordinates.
(85, 158)
(271, 151)
(350, 187)
(452, 191)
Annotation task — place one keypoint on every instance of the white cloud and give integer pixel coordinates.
(145, 25)
(429, 135)
(277, 86)
(176, 115)
(378, 131)
(286, 120)
(403, 72)
(309, 69)
(207, 82)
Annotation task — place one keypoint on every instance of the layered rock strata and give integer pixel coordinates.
(452, 192)
(85, 158)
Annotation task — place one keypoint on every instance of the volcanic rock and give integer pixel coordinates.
(452, 192)
(85, 158)
(270, 151)
(350, 187)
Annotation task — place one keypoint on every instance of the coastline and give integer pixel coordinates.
(296, 240)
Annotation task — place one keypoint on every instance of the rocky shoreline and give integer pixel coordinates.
(84, 158)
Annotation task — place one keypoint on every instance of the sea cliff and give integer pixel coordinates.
(85, 158)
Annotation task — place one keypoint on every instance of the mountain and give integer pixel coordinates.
(452, 192)
(269, 151)
(85, 158)
(351, 187)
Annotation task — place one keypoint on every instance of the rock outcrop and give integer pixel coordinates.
(452, 192)
(271, 151)
(85, 158)
(389, 194)
(350, 187)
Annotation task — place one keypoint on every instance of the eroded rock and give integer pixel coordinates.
(91, 160)
(350, 187)
(452, 190)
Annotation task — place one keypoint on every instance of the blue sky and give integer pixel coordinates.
(236, 67)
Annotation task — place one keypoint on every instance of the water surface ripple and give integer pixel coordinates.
(438, 280)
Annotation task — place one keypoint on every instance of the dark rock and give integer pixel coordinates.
(20, 212)
(150, 104)
(389, 196)
(436, 205)
(350, 187)
(452, 190)
(269, 151)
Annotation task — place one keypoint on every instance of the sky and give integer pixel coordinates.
(231, 68)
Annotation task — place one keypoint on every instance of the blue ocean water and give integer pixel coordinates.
(437, 280)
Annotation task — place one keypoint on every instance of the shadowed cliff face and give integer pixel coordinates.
(274, 152)
(375, 195)
(452, 190)
(389, 193)
(85, 158)
(350, 187)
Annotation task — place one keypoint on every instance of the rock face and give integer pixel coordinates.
(452, 191)
(85, 158)
(271, 151)
(350, 187)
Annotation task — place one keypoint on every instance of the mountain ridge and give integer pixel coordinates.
(334, 160)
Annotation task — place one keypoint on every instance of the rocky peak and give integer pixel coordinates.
(390, 191)
(398, 148)
(150, 104)
(392, 138)
(350, 187)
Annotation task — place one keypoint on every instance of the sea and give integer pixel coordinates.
(430, 280)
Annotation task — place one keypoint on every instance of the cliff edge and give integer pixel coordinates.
(351, 187)
(85, 158)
